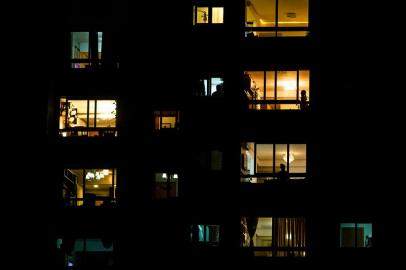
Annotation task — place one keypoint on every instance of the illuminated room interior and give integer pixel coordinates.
(261, 162)
(89, 187)
(85, 117)
(270, 236)
(166, 120)
(277, 14)
(81, 48)
(276, 90)
(208, 15)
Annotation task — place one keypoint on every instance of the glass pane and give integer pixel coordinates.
(293, 13)
(265, 158)
(173, 185)
(365, 235)
(304, 87)
(63, 110)
(270, 85)
(99, 44)
(281, 156)
(77, 116)
(347, 235)
(106, 113)
(297, 158)
(168, 122)
(260, 13)
(92, 113)
(287, 85)
(201, 232)
(217, 86)
(216, 160)
(157, 120)
(80, 45)
(256, 79)
(217, 15)
(247, 158)
(96, 245)
(206, 90)
(293, 33)
(263, 232)
(202, 15)
(78, 174)
(212, 233)
(99, 186)
(161, 185)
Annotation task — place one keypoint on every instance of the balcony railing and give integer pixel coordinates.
(88, 132)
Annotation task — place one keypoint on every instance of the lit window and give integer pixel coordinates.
(166, 120)
(84, 253)
(86, 49)
(89, 187)
(87, 117)
(207, 14)
(262, 163)
(356, 235)
(205, 234)
(280, 18)
(277, 90)
(209, 86)
(274, 237)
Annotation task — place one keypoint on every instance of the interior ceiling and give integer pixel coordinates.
(265, 151)
(265, 9)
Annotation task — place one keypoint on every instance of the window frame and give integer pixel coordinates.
(85, 131)
(170, 176)
(356, 243)
(277, 29)
(74, 201)
(209, 5)
(274, 175)
(254, 103)
(93, 61)
(275, 248)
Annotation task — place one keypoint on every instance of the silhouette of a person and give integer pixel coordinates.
(283, 175)
(368, 241)
(219, 91)
(303, 100)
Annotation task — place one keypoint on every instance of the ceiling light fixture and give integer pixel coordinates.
(285, 157)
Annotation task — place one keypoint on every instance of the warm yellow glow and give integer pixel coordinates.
(288, 85)
(281, 22)
(291, 157)
(217, 15)
(95, 186)
(288, 236)
(106, 172)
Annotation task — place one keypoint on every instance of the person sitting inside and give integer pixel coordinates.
(219, 92)
(283, 175)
